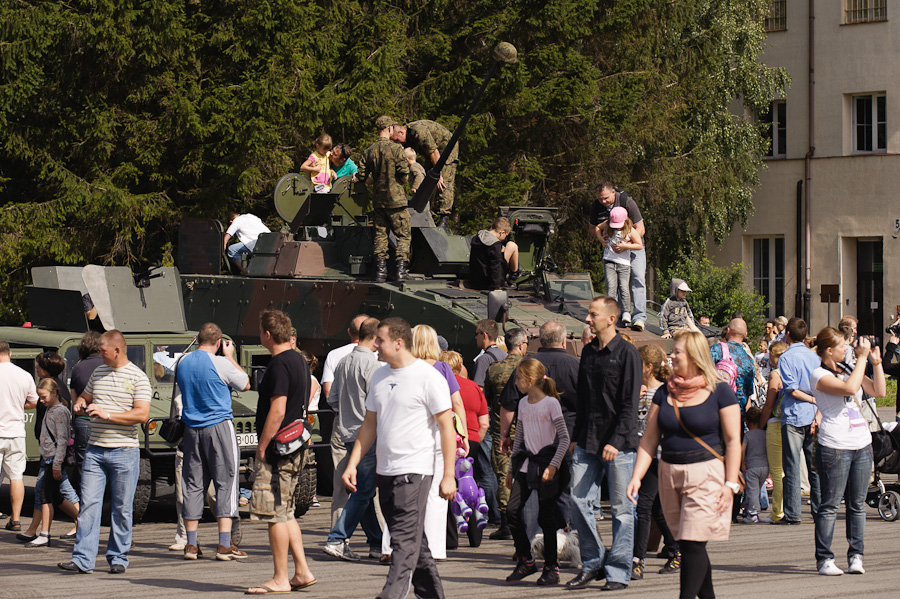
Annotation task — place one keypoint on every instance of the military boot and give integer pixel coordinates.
(380, 271)
(402, 272)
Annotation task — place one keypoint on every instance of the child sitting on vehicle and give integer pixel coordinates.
(317, 167)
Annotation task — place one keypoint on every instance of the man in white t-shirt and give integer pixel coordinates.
(17, 394)
(247, 228)
(117, 398)
(408, 407)
(335, 356)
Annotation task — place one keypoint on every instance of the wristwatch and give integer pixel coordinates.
(735, 488)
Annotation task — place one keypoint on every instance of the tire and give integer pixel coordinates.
(889, 506)
(142, 492)
(306, 488)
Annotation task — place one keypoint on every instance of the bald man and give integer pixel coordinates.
(735, 333)
(335, 356)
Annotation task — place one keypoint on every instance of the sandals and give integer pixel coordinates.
(14, 525)
(297, 587)
(266, 591)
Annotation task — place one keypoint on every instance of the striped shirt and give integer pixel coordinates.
(115, 390)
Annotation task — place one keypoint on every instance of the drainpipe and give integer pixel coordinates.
(807, 296)
(798, 295)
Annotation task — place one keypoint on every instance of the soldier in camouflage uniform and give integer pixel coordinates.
(384, 167)
(429, 139)
(497, 375)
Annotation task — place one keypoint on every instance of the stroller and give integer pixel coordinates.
(886, 453)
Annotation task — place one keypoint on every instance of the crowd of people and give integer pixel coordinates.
(668, 437)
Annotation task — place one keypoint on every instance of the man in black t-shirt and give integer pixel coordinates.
(609, 197)
(283, 394)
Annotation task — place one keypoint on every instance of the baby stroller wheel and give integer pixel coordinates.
(889, 506)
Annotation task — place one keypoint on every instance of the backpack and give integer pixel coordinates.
(727, 368)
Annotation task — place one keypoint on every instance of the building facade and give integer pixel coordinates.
(835, 147)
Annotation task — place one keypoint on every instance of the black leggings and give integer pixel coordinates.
(696, 571)
(649, 507)
(549, 518)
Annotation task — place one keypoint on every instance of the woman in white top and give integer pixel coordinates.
(844, 453)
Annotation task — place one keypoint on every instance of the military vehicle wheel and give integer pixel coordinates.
(306, 488)
(142, 492)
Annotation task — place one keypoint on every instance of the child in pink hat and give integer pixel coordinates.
(618, 239)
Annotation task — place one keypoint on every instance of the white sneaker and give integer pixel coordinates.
(626, 318)
(828, 568)
(638, 326)
(856, 566)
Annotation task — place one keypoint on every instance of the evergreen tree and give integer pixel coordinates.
(117, 119)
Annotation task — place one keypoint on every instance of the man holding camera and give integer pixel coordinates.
(210, 447)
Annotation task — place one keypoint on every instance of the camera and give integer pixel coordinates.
(894, 329)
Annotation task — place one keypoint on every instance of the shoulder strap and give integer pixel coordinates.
(726, 355)
(693, 436)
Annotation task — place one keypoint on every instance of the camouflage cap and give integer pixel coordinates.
(383, 122)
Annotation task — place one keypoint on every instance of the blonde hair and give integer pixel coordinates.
(53, 387)
(698, 350)
(425, 343)
(410, 154)
(453, 359)
(534, 371)
(656, 359)
(775, 351)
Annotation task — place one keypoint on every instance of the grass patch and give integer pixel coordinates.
(890, 397)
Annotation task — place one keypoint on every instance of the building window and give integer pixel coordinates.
(777, 19)
(768, 273)
(866, 11)
(776, 131)
(869, 123)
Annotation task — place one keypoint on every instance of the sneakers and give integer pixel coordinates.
(226, 554)
(751, 519)
(549, 576)
(192, 552)
(626, 319)
(341, 549)
(828, 568)
(177, 546)
(638, 326)
(375, 553)
(856, 566)
(672, 565)
(524, 569)
(43, 540)
(637, 570)
(315, 502)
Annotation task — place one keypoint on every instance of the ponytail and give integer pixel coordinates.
(533, 370)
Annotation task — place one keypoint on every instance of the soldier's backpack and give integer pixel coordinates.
(727, 368)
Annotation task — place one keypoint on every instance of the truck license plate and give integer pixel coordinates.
(247, 439)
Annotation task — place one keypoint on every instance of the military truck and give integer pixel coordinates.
(148, 309)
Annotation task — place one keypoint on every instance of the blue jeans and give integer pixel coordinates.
(841, 469)
(236, 250)
(484, 474)
(588, 471)
(120, 466)
(639, 285)
(796, 444)
(360, 508)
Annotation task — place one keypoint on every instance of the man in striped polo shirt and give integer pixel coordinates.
(117, 398)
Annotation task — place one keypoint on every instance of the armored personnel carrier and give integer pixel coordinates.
(148, 309)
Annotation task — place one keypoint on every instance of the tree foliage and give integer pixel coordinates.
(119, 118)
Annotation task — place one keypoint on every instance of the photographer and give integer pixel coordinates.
(892, 359)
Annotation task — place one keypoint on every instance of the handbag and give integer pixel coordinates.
(883, 442)
(740, 481)
(292, 438)
(172, 429)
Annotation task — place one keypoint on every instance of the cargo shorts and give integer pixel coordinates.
(272, 499)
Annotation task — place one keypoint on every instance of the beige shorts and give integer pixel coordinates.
(272, 499)
(12, 457)
(688, 495)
